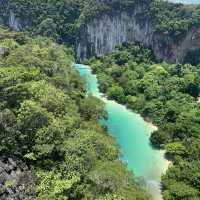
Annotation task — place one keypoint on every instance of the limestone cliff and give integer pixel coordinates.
(103, 33)
(14, 22)
(9, 18)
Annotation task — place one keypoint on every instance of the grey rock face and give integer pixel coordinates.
(14, 22)
(3, 51)
(16, 180)
(101, 35)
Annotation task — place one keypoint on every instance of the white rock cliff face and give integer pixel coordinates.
(101, 35)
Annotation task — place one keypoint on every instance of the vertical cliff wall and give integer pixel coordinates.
(102, 34)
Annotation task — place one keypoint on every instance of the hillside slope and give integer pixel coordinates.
(48, 124)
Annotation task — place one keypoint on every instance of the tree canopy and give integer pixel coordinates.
(48, 121)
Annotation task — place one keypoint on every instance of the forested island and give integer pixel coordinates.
(52, 146)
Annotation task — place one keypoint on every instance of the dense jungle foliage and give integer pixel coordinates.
(47, 121)
(167, 95)
(62, 19)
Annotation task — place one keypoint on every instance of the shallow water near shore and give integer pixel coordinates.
(132, 134)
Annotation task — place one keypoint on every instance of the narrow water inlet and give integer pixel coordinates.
(132, 134)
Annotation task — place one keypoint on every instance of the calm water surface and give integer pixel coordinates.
(132, 134)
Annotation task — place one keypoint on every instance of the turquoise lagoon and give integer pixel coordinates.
(132, 134)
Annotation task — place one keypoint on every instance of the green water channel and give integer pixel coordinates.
(132, 134)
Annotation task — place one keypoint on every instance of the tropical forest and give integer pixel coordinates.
(99, 100)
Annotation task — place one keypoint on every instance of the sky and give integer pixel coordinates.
(186, 1)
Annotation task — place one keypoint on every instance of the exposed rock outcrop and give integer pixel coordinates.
(3, 51)
(14, 22)
(16, 180)
(102, 34)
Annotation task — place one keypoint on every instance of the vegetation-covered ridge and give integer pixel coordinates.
(167, 95)
(62, 19)
(48, 122)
